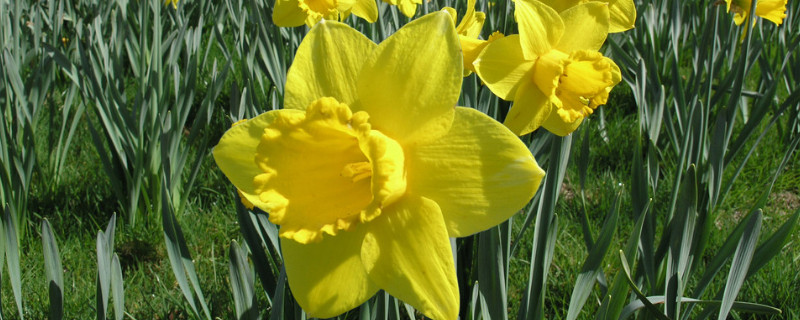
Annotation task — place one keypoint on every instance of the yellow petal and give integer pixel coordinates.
(472, 22)
(407, 253)
(623, 16)
(411, 83)
(236, 151)
(530, 109)
(772, 10)
(407, 7)
(585, 27)
(366, 9)
(502, 66)
(561, 5)
(471, 48)
(452, 13)
(540, 27)
(327, 278)
(287, 13)
(480, 173)
(557, 125)
(327, 64)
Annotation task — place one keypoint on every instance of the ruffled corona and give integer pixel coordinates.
(316, 10)
(326, 155)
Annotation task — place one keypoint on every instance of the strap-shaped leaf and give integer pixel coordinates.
(242, 283)
(54, 270)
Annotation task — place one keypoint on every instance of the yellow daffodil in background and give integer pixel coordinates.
(552, 69)
(468, 30)
(370, 168)
(295, 13)
(173, 2)
(407, 7)
(622, 13)
(772, 10)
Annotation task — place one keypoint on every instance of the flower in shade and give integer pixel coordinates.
(173, 2)
(370, 168)
(468, 30)
(552, 70)
(294, 13)
(621, 13)
(772, 10)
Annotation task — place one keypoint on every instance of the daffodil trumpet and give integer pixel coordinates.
(772, 10)
(295, 13)
(370, 168)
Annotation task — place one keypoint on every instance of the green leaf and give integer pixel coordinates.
(54, 270)
(181, 260)
(242, 283)
(12, 257)
(740, 263)
(117, 288)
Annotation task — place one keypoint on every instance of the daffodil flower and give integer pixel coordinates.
(772, 10)
(370, 168)
(552, 69)
(468, 30)
(295, 13)
(622, 13)
(407, 7)
(173, 2)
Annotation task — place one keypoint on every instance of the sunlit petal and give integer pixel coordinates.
(479, 173)
(540, 27)
(622, 16)
(556, 124)
(585, 27)
(287, 13)
(531, 107)
(411, 83)
(327, 64)
(327, 278)
(407, 253)
(366, 9)
(502, 66)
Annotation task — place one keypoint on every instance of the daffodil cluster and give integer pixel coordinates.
(370, 168)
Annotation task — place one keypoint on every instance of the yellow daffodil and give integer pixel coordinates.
(468, 30)
(772, 10)
(370, 168)
(295, 13)
(552, 69)
(173, 2)
(622, 13)
(407, 7)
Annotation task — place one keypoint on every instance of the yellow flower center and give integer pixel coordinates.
(576, 83)
(316, 167)
(318, 9)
